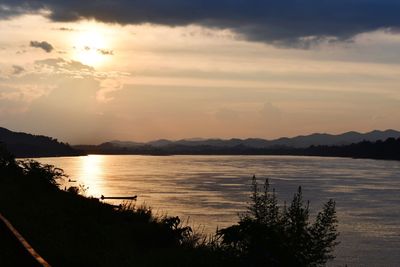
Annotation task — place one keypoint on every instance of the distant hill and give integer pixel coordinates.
(236, 146)
(302, 141)
(323, 139)
(28, 145)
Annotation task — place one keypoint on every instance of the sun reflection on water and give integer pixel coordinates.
(92, 174)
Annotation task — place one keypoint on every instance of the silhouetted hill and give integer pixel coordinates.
(363, 149)
(28, 145)
(341, 139)
(236, 146)
(296, 142)
(160, 143)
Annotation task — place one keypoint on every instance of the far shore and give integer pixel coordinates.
(207, 154)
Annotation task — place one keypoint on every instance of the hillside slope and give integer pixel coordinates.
(28, 145)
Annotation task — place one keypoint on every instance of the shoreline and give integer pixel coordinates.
(209, 154)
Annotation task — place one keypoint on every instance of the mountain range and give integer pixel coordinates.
(210, 145)
(28, 145)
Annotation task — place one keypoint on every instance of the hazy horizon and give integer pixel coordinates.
(91, 72)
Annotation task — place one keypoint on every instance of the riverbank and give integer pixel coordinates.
(70, 230)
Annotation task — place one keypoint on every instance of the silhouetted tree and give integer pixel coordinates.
(324, 234)
(270, 235)
(42, 172)
(7, 161)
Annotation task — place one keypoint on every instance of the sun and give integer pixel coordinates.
(91, 46)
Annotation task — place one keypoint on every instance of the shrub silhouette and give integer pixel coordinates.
(270, 235)
(7, 161)
(45, 172)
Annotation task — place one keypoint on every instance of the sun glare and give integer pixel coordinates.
(92, 173)
(91, 46)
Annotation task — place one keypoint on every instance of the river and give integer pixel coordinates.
(210, 191)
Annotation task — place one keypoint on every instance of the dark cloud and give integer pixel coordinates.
(17, 69)
(43, 45)
(105, 52)
(283, 22)
(10, 10)
(65, 29)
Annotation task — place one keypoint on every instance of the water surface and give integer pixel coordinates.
(211, 190)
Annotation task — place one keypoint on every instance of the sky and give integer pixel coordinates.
(94, 71)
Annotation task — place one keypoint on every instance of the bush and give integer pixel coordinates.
(44, 172)
(7, 161)
(268, 234)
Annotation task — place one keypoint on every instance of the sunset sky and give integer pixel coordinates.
(93, 71)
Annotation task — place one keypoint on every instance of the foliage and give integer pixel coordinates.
(7, 160)
(386, 149)
(78, 190)
(173, 228)
(48, 173)
(268, 234)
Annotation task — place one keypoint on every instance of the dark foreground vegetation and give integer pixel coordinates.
(68, 229)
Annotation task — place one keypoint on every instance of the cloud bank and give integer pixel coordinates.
(283, 22)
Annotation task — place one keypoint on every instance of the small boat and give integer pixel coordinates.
(127, 198)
